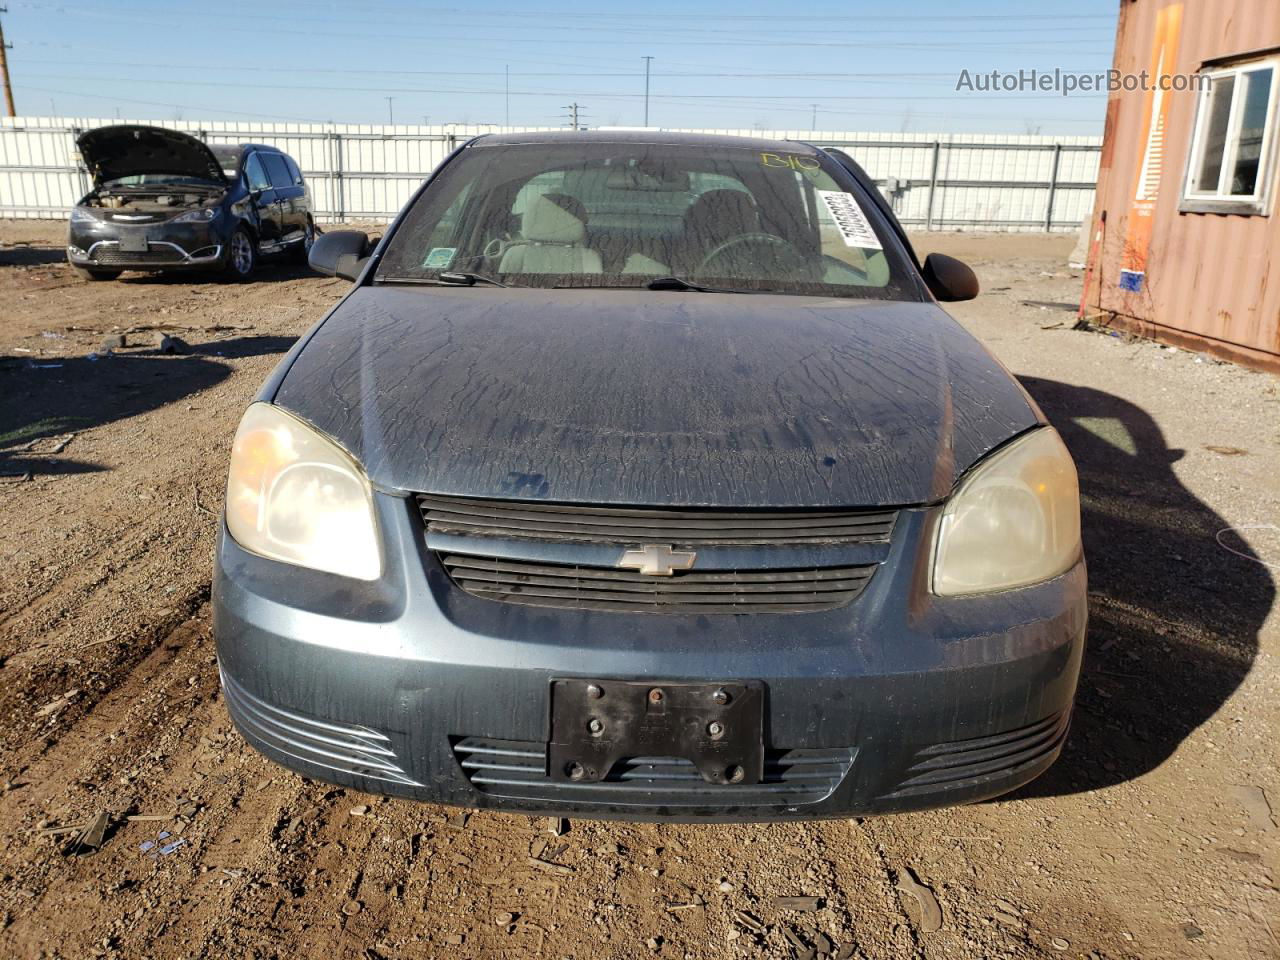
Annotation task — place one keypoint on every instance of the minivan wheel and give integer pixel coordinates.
(93, 273)
(242, 257)
(303, 250)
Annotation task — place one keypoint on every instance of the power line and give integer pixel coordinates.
(711, 97)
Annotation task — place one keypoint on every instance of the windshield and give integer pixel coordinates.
(145, 180)
(598, 214)
(228, 156)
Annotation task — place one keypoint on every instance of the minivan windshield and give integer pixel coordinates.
(145, 180)
(627, 214)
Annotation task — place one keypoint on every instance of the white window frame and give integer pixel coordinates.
(1221, 200)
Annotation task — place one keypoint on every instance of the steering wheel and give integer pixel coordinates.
(772, 250)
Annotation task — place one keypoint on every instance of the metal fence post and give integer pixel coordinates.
(933, 185)
(1053, 187)
(339, 191)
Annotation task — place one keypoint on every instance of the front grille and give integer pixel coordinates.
(518, 769)
(134, 219)
(344, 748)
(621, 525)
(966, 763)
(111, 254)
(606, 588)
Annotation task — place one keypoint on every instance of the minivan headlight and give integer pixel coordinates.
(295, 495)
(1013, 521)
(197, 216)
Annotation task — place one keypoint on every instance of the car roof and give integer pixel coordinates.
(665, 137)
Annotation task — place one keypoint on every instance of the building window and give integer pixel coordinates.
(1231, 150)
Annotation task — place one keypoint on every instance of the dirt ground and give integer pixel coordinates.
(1151, 837)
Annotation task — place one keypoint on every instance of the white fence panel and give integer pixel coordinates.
(369, 171)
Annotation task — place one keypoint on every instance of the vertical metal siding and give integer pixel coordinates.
(1208, 275)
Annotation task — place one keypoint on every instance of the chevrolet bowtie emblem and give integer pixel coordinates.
(657, 560)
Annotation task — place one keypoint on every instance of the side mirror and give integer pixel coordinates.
(949, 279)
(341, 253)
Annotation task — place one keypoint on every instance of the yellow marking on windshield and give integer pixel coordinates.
(789, 161)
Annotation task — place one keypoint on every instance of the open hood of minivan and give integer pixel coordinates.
(128, 150)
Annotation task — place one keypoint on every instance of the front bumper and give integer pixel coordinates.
(409, 686)
(159, 246)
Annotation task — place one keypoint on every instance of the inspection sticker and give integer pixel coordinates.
(439, 257)
(850, 220)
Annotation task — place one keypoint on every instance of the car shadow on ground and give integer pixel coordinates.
(22, 254)
(1174, 617)
(49, 398)
(267, 272)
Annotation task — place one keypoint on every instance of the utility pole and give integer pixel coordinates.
(391, 117)
(506, 76)
(4, 69)
(573, 115)
(647, 62)
(813, 124)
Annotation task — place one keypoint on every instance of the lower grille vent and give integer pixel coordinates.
(606, 588)
(348, 749)
(518, 769)
(110, 254)
(965, 763)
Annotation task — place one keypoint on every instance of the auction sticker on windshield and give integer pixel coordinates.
(850, 220)
(439, 257)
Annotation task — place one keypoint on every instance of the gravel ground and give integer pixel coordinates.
(1153, 836)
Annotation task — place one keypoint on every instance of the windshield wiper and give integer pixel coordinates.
(679, 283)
(468, 279)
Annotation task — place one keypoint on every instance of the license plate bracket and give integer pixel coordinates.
(719, 727)
(133, 243)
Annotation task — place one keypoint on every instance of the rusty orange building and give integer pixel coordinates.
(1185, 227)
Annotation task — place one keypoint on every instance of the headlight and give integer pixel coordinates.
(1015, 520)
(81, 215)
(296, 496)
(197, 216)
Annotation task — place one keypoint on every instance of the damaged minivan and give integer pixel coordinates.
(165, 200)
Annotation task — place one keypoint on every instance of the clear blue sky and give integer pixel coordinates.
(866, 66)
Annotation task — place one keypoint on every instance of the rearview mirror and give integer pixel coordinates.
(949, 279)
(341, 253)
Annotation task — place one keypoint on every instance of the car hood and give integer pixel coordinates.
(128, 150)
(648, 397)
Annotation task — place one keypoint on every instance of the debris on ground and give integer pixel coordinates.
(750, 921)
(158, 848)
(53, 706)
(171, 345)
(557, 826)
(930, 910)
(802, 904)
